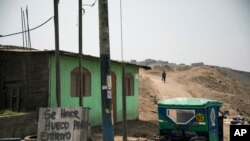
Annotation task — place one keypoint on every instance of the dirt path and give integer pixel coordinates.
(170, 89)
(152, 89)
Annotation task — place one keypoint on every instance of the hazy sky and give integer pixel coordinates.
(216, 32)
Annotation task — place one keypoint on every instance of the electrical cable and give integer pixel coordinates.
(91, 5)
(27, 30)
(83, 10)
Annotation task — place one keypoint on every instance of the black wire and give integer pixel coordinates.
(91, 5)
(27, 30)
(83, 11)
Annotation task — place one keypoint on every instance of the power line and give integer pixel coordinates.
(91, 5)
(27, 30)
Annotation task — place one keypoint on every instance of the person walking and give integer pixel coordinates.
(164, 76)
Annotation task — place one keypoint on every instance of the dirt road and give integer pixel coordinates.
(206, 82)
(170, 89)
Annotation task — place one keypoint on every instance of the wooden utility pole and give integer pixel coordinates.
(80, 52)
(58, 84)
(106, 94)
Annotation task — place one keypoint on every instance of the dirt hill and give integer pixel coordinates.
(227, 85)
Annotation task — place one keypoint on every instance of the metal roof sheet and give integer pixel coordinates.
(188, 102)
(18, 49)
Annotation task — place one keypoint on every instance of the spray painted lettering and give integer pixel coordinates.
(61, 124)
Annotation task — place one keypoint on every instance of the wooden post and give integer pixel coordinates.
(58, 87)
(80, 52)
(106, 94)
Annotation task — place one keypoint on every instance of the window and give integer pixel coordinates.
(75, 82)
(129, 84)
(180, 116)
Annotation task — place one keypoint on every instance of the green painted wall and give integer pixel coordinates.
(132, 101)
(68, 63)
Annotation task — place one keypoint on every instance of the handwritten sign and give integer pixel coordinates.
(62, 124)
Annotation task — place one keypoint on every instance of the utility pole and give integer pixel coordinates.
(106, 94)
(80, 52)
(124, 101)
(124, 106)
(58, 87)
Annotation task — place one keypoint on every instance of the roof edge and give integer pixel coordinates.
(18, 49)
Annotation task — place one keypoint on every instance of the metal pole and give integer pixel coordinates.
(106, 94)
(124, 103)
(25, 30)
(22, 25)
(80, 53)
(58, 88)
(27, 15)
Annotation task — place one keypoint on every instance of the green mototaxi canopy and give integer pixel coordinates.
(188, 103)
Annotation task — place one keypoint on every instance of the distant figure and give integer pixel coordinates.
(164, 76)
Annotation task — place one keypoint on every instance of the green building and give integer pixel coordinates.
(31, 82)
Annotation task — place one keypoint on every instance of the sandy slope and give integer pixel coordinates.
(170, 89)
(230, 87)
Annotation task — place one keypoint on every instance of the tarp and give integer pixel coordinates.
(188, 103)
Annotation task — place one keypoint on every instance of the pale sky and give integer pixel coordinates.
(216, 32)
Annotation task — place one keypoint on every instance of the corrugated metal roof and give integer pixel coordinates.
(10, 48)
(16, 48)
(188, 102)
